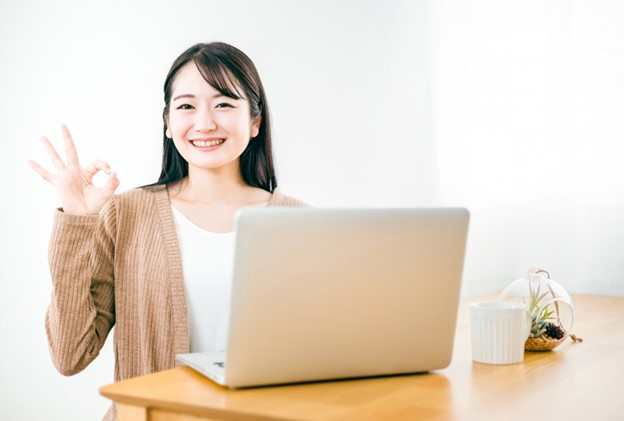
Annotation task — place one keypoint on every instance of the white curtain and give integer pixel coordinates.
(528, 125)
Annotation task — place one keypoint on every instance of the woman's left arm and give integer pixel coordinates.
(82, 308)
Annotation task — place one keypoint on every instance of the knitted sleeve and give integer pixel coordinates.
(82, 310)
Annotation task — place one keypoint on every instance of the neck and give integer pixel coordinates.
(224, 186)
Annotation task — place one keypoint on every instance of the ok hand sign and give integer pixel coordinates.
(79, 196)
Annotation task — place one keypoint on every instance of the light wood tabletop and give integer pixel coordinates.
(575, 381)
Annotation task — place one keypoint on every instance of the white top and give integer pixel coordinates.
(207, 264)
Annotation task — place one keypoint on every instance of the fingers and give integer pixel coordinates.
(71, 172)
(54, 156)
(112, 181)
(112, 184)
(95, 167)
(70, 148)
(40, 170)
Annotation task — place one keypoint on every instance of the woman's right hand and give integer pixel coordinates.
(79, 196)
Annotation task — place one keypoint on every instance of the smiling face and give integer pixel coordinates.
(210, 130)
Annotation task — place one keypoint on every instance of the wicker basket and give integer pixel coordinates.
(542, 343)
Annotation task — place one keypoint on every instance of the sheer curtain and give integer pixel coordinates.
(527, 107)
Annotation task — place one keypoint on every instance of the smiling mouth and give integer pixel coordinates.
(206, 143)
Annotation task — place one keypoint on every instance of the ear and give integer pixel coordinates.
(168, 131)
(255, 126)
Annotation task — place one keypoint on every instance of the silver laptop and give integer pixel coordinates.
(323, 294)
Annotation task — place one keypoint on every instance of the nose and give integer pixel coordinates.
(205, 121)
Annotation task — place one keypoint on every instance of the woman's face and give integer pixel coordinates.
(210, 130)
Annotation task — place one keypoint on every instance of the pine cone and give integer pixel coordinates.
(554, 331)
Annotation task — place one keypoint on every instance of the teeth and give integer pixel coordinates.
(203, 143)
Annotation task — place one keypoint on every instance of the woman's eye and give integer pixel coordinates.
(185, 107)
(224, 105)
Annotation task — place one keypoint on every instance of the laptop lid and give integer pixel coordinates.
(336, 293)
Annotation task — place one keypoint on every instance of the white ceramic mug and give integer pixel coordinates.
(499, 330)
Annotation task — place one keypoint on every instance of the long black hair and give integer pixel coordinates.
(227, 69)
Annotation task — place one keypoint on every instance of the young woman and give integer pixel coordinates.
(144, 260)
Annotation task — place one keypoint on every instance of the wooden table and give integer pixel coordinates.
(575, 381)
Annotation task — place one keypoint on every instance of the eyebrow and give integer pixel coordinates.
(217, 95)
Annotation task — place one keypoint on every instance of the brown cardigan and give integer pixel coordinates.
(121, 268)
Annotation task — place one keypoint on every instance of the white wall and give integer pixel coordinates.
(510, 108)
